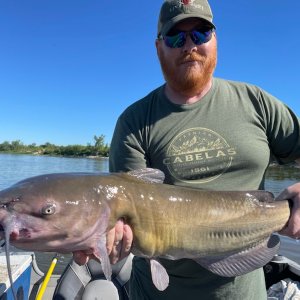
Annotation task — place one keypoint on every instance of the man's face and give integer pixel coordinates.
(188, 69)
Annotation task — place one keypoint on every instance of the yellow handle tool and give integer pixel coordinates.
(47, 278)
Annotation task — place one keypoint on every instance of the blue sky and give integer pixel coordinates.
(68, 68)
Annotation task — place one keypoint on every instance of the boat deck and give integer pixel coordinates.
(20, 261)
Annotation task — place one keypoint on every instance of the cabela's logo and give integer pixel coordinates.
(199, 155)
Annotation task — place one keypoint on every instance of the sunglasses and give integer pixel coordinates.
(178, 40)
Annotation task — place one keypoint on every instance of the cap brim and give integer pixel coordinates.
(166, 28)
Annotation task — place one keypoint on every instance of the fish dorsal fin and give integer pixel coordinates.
(243, 262)
(148, 175)
(160, 277)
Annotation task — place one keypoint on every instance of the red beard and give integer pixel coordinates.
(192, 81)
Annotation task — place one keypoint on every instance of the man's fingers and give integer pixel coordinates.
(110, 239)
(292, 229)
(292, 193)
(114, 242)
(119, 241)
(114, 236)
(119, 228)
(80, 257)
(127, 241)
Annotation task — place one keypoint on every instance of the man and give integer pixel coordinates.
(205, 133)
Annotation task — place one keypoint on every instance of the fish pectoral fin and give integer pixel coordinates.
(101, 253)
(243, 262)
(160, 277)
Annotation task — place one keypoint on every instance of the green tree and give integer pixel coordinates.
(5, 146)
(99, 141)
(17, 145)
(100, 147)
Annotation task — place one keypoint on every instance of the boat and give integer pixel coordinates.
(27, 277)
(75, 282)
(21, 274)
(84, 282)
(284, 265)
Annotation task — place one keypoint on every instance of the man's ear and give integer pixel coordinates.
(158, 46)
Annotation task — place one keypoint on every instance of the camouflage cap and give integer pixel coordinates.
(174, 11)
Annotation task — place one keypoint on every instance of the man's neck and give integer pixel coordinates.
(179, 98)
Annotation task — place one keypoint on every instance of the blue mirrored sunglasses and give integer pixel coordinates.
(178, 40)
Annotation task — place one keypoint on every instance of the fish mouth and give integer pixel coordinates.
(15, 234)
(19, 235)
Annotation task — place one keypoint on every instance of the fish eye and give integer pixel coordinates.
(48, 209)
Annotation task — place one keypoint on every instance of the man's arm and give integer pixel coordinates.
(126, 153)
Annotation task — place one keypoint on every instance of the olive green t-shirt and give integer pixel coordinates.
(222, 142)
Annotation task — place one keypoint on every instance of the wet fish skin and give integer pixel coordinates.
(222, 231)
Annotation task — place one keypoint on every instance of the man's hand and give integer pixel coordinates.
(82, 257)
(119, 241)
(118, 244)
(293, 227)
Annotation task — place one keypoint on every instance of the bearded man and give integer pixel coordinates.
(202, 132)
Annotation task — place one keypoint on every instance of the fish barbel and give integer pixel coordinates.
(229, 233)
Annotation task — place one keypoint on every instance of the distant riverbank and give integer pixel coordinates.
(98, 149)
(54, 154)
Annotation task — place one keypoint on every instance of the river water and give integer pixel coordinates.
(14, 168)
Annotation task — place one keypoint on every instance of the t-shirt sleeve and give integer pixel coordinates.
(282, 129)
(126, 151)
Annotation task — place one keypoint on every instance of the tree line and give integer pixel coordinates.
(98, 148)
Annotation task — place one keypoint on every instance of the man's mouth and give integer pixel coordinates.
(190, 61)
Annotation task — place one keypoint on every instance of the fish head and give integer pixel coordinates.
(51, 213)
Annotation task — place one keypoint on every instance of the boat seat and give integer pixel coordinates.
(88, 281)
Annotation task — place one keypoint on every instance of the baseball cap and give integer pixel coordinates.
(174, 11)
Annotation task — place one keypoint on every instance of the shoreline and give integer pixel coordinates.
(55, 155)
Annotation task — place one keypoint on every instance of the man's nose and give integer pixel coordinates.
(189, 45)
